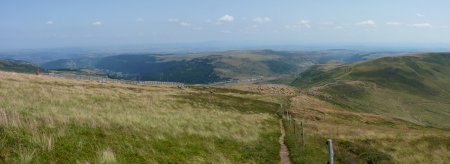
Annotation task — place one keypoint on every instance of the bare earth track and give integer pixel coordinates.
(284, 152)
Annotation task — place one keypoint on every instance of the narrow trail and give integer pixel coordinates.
(284, 152)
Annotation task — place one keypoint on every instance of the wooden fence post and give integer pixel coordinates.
(295, 133)
(282, 110)
(330, 151)
(287, 114)
(303, 134)
(290, 119)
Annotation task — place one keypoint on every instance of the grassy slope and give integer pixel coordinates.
(44, 120)
(15, 66)
(358, 137)
(413, 88)
(361, 137)
(247, 64)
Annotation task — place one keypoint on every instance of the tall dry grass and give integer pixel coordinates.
(405, 142)
(51, 113)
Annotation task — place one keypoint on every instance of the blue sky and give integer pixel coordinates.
(58, 23)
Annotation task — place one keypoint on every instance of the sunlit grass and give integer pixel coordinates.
(364, 138)
(56, 120)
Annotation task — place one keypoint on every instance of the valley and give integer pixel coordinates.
(371, 118)
(225, 82)
(211, 67)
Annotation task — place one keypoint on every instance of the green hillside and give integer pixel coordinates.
(71, 64)
(414, 88)
(17, 66)
(53, 120)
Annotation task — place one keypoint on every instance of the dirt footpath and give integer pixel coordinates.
(284, 152)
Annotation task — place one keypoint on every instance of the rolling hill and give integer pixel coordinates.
(17, 66)
(415, 88)
(210, 67)
(192, 68)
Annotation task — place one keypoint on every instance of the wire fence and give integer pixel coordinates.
(297, 130)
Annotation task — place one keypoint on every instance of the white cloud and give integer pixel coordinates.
(303, 24)
(185, 24)
(367, 23)
(420, 15)
(330, 25)
(173, 20)
(393, 23)
(262, 20)
(97, 23)
(226, 18)
(140, 20)
(338, 27)
(422, 25)
(49, 22)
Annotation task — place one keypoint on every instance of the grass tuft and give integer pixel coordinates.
(107, 156)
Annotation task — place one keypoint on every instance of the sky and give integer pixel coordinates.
(69, 23)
